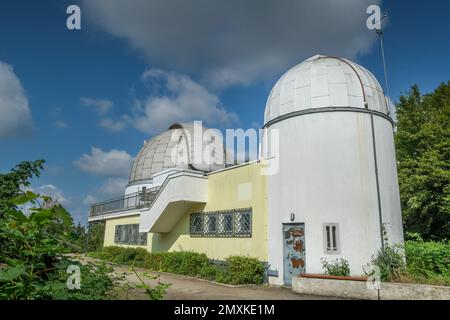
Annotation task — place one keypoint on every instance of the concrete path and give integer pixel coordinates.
(188, 288)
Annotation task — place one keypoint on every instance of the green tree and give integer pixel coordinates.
(423, 153)
(96, 234)
(32, 245)
(13, 183)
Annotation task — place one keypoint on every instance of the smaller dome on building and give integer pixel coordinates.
(183, 146)
(325, 82)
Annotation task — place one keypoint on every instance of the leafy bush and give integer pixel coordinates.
(184, 262)
(154, 261)
(337, 267)
(391, 263)
(32, 247)
(95, 236)
(245, 270)
(32, 262)
(428, 259)
(208, 272)
(96, 283)
(239, 270)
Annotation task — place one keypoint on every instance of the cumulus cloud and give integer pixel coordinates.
(53, 192)
(114, 163)
(61, 124)
(115, 126)
(90, 200)
(113, 187)
(183, 100)
(15, 114)
(235, 41)
(102, 106)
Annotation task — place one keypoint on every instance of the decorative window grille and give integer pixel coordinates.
(331, 238)
(211, 224)
(129, 234)
(227, 223)
(196, 224)
(230, 223)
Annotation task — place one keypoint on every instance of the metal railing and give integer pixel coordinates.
(131, 201)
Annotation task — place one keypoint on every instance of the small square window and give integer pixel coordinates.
(331, 238)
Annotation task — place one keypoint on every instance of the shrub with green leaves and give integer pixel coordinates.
(391, 262)
(34, 266)
(428, 259)
(237, 270)
(208, 272)
(183, 262)
(245, 270)
(32, 245)
(337, 267)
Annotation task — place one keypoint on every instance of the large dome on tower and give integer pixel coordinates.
(324, 82)
(181, 146)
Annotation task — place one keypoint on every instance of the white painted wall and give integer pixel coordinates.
(183, 187)
(387, 173)
(327, 175)
(156, 181)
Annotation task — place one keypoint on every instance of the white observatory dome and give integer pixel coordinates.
(330, 156)
(158, 153)
(325, 82)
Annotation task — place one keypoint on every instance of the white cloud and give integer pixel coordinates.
(235, 41)
(53, 192)
(15, 114)
(115, 126)
(184, 100)
(90, 200)
(114, 163)
(113, 187)
(102, 106)
(61, 124)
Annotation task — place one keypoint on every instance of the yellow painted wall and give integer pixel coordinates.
(110, 228)
(236, 188)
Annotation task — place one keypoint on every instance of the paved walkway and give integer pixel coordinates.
(188, 288)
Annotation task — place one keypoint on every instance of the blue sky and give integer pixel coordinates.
(116, 82)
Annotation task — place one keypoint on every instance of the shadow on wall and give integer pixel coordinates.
(163, 242)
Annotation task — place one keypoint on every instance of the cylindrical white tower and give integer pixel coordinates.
(335, 193)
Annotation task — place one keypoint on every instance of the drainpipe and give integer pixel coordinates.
(380, 216)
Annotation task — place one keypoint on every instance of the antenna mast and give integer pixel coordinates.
(380, 36)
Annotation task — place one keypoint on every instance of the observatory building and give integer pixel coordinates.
(326, 188)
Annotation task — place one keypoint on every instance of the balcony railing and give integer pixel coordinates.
(131, 201)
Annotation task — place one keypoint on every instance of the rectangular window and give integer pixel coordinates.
(129, 234)
(244, 222)
(196, 224)
(331, 238)
(210, 224)
(230, 223)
